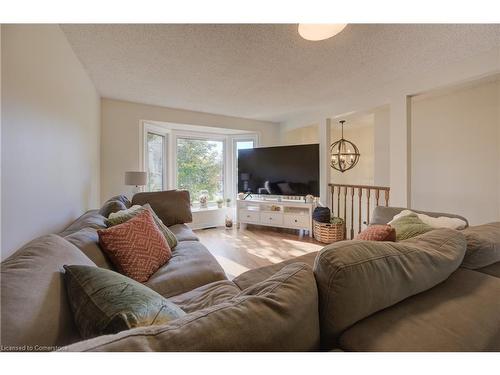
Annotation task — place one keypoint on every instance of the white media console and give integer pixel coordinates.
(292, 214)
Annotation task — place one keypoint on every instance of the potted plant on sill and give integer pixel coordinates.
(228, 202)
(219, 202)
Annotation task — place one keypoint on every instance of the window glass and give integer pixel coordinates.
(156, 162)
(200, 167)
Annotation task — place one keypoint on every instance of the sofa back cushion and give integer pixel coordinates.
(278, 314)
(35, 310)
(358, 278)
(114, 204)
(382, 215)
(171, 206)
(483, 245)
(90, 219)
(87, 240)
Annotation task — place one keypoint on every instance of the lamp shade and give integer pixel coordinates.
(136, 178)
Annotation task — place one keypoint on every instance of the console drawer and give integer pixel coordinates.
(271, 218)
(298, 221)
(248, 216)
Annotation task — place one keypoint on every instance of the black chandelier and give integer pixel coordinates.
(344, 154)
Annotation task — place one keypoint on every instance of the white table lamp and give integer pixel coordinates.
(137, 179)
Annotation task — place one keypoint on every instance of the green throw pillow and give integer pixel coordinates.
(125, 215)
(106, 302)
(409, 226)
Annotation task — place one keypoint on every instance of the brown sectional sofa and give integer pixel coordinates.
(353, 295)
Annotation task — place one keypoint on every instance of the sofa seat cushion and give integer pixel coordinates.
(257, 275)
(87, 240)
(358, 278)
(483, 245)
(183, 233)
(206, 295)
(191, 266)
(460, 314)
(278, 314)
(34, 305)
(90, 219)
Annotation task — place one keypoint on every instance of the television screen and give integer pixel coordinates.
(283, 170)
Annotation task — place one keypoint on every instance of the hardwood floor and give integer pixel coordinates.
(239, 250)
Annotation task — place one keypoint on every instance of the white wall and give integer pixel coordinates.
(50, 134)
(121, 135)
(456, 152)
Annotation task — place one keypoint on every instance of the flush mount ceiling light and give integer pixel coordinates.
(344, 154)
(320, 31)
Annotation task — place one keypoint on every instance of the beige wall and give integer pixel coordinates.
(303, 135)
(121, 135)
(381, 136)
(50, 134)
(455, 162)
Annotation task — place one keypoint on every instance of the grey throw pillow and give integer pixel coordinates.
(111, 206)
(106, 302)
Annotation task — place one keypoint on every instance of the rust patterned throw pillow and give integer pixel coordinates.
(378, 233)
(137, 248)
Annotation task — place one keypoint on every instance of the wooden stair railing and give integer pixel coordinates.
(343, 190)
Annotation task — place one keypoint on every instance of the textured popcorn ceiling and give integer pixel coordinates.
(264, 72)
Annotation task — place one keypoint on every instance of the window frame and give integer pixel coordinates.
(172, 132)
(152, 129)
(202, 137)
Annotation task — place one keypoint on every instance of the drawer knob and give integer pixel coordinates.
(248, 216)
(295, 220)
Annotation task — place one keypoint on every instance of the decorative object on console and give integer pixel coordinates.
(378, 233)
(309, 198)
(137, 248)
(137, 179)
(203, 199)
(118, 302)
(344, 154)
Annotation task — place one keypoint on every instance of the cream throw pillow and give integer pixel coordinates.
(435, 222)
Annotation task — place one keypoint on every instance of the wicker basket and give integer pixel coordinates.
(328, 233)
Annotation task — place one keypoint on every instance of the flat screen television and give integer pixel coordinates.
(282, 170)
